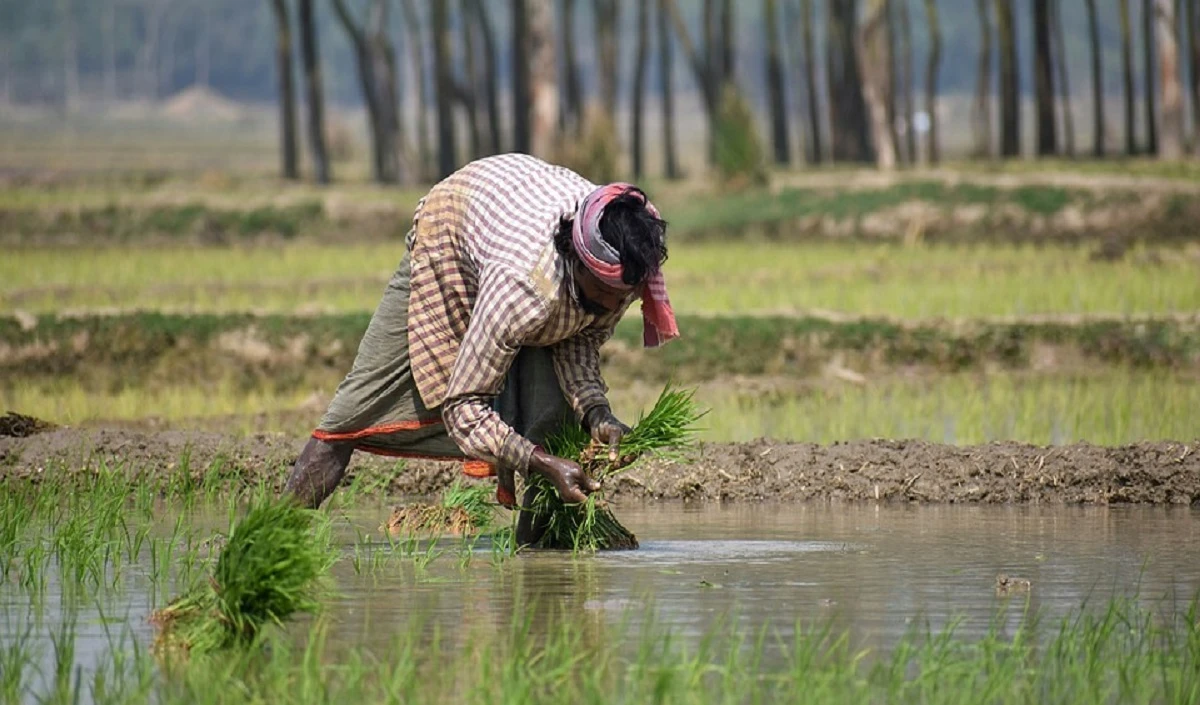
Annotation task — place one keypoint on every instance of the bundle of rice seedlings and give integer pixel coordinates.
(669, 427)
(464, 509)
(269, 569)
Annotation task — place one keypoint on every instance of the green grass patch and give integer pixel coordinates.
(881, 279)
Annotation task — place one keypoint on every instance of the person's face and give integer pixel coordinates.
(596, 297)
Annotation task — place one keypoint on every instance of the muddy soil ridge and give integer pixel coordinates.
(1160, 472)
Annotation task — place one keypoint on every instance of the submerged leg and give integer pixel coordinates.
(318, 471)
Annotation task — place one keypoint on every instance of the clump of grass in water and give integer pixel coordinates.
(464, 509)
(270, 569)
(669, 427)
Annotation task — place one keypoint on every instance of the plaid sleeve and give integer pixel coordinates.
(506, 311)
(577, 364)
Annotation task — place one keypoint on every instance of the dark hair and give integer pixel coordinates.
(639, 237)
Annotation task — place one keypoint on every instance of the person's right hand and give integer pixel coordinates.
(572, 483)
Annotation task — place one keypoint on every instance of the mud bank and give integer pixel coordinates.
(874, 470)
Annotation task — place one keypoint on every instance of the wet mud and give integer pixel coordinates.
(867, 470)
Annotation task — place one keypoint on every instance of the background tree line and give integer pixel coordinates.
(443, 81)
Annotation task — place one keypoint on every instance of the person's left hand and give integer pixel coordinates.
(606, 428)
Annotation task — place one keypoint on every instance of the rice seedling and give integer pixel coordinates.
(464, 509)
(668, 428)
(270, 568)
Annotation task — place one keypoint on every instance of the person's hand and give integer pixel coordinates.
(572, 483)
(606, 429)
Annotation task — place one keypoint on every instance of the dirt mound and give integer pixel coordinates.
(16, 425)
(199, 103)
(876, 470)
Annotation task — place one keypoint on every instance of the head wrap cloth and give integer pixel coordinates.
(605, 262)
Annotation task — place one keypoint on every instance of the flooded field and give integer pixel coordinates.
(877, 577)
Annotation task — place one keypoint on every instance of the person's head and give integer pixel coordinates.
(625, 239)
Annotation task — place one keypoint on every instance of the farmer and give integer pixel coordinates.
(488, 334)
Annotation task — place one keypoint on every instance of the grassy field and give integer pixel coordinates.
(1109, 407)
(923, 281)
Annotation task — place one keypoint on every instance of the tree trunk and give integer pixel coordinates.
(491, 74)
(108, 38)
(1148, 84)
(906, 81)
(376, 73)
(871, 47)
(728, 41)
(1010, 81)
(893, 93)
(543, 76)
(931, 80)
(1064, 88)
(1193, 33)
(1097, 81)
(714, 62)
(778, 99)
(848, 121)
(153, 13)
(1127, 79)
(444, 88)
(416, 47)
(667, 80)
(472, 86)
(315, 92)
(1170, 144)
(70, 55)
(521, 89)
(639, 86)
(572, 93)
(287, 90)
(701, 68)
(1043, 78)
(606, 48)
(981, 114)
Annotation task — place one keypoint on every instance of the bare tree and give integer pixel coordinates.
(472, 87)
(906, 80)
(1192, 31)
(1148, 84)
(203, 46)
(416, 49)
(667, 79)
(876, 62)
(809, 71)
(607, 14)
(639, 86)
(1170, 144)
(443, 68)
(491, 73)
(1097, 81)
(702, 63)
(848, 122)
(376, 60)
(1127, 78)
(287, 90)
(1043, 78)
(981, 113)
(520, 75)
(1010, 80)
(778, 99)
(1064, 88)
(728, 40)
(310, 58)
(154, 14)
(572, 113)
(543, 79)
(931, 79)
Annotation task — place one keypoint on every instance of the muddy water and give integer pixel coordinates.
(876, 571)
(870, 569)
